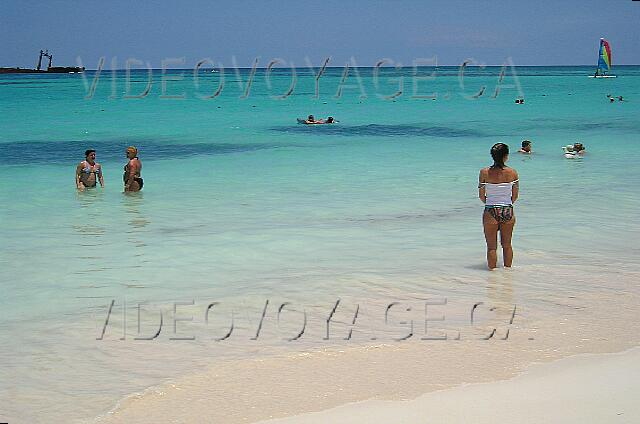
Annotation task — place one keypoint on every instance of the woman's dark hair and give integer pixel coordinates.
(498, 153)
(88, 152)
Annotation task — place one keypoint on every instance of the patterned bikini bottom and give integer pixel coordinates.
(500, 213)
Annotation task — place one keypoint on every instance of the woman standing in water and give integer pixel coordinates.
(88, 171)
(131, 177)
(498, 190)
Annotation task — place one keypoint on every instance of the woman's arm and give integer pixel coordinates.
(100, 177)
(131, 176)
(481, 190)
(79, 184)
(515, 190)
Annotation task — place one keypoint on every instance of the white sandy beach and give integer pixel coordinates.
(577, 390)
(278, 269)
(515, 380)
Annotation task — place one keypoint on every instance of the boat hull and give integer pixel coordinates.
(52, 70)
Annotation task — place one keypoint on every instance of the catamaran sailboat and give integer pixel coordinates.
(604, 61)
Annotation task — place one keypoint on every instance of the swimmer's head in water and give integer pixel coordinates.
(578, 147)
(526, 143)
(310, 118)
(89, 152)
(131, 150)
(330, 120)
(499, 153)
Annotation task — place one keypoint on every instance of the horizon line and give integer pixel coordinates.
(356, 67)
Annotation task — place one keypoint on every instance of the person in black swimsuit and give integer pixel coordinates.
(132, 179)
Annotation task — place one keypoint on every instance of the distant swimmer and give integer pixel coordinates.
(573, 151)
(620, 99)
(330, 120)
(311, 120)
(131, 177)
(526, 147)
(88, 170)
(498, 189)
(519, 101)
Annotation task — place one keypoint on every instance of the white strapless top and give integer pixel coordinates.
(498, 194)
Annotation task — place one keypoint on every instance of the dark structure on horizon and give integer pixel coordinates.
(50, 69)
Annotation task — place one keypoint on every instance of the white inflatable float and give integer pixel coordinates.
(571, 153)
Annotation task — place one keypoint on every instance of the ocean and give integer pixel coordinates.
(245, 207)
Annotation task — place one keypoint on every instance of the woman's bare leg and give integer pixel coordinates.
(506, 231)
(491, 236)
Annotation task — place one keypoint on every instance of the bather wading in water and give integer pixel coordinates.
(498, 189)
(88, 171)
(131, 177)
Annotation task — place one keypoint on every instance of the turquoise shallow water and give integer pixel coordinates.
(242, 204)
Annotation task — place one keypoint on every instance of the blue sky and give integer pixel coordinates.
(534, 32)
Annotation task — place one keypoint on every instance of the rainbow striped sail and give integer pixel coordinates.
(604, 57)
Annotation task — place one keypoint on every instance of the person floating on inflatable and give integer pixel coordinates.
(573, 151)
(312, 121)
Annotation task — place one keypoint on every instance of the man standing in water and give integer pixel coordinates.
(131, 177)
(87, 170)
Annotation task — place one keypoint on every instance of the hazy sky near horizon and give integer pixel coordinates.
(542, 32)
